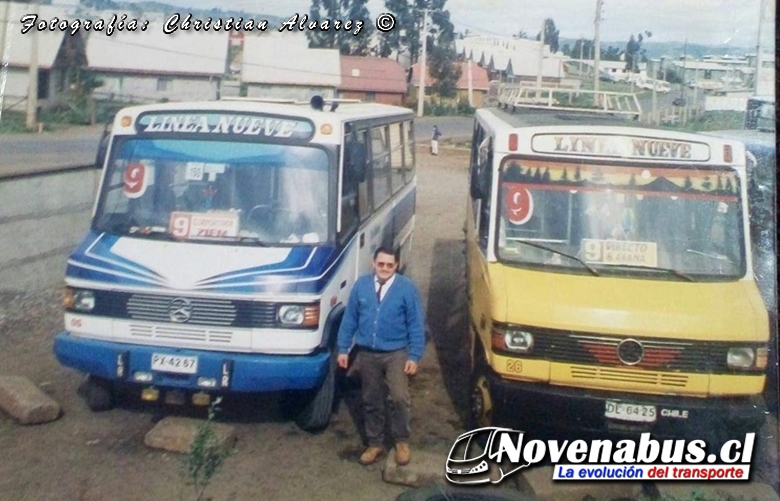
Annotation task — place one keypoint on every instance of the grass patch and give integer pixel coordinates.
(712, 120)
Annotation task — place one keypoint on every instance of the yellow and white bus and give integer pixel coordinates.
(224, 243)
(610, 281)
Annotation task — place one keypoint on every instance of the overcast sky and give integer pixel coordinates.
(713, 22)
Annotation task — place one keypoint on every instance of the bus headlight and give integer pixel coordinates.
(512, 339)
(522, 341)
(744, 357)
(79, 300)
(299, 315)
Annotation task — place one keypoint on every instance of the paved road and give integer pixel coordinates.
(21, 153)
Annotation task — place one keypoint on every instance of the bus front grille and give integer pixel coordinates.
(610, 375)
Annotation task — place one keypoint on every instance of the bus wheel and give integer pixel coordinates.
(315, 407)
(97, 393)
(483, 405)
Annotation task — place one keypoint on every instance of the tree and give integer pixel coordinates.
(409, 14)
(582, 47)
(635, 53)
(611, 54)
(344, 41)
(442, 62)
(550, 34)
(522, 34)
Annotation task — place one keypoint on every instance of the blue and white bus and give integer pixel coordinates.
(225, 240)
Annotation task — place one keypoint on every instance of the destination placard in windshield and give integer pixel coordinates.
(227, 124)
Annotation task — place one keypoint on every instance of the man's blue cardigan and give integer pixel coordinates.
(395, 323)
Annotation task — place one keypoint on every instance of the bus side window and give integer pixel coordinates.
(474, 168)
(350, 214)
(380, 165)
(364, 200)
(408, 142)
(485, 169)
(396, 157)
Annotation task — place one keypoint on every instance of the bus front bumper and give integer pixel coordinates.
(586, 410)
(239, 372)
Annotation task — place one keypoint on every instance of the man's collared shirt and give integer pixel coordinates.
(385, 287)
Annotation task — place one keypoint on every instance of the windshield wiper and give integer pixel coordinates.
(561, 253)
(672, 271)
(716, 257)
(149, 231)
(255, 240)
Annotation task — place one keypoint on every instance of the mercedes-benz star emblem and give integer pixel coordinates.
(630, 351)
(180, 310)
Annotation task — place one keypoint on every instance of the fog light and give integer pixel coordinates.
(207, 382)
(142, 377)
(150, 394)
(201, 398)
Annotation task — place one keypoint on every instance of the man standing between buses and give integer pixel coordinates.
(384, 319)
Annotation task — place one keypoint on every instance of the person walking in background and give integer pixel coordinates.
(435, 140)
(384, 320)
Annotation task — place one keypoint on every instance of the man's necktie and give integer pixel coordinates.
(379, 293)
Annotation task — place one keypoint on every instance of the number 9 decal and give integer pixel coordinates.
(135, 180)
(519, 204)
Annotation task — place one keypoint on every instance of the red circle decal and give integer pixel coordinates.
(135, 180)
(519, 204)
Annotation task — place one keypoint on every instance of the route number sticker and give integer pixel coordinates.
(519, 204)
(191, 225)
(620, 252)
(136, 179)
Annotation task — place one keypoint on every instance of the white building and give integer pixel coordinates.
(512, 59)
(151, 66)
(281, 65)
(56, 56)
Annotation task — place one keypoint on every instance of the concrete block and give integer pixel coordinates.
(752, 491)
(538, 482)
(25, 402)
(424, 469)
(176, 434)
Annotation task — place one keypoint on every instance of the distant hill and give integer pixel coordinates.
(672, 49)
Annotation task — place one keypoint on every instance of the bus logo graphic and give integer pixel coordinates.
(473, 457)
(180, 310)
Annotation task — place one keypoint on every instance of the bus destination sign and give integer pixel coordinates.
(620, 146)
(224, 123)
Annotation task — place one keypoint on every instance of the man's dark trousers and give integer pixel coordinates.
(375, 368)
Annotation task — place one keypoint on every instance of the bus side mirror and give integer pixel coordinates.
(355, 161)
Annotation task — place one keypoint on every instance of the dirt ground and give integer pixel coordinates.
(101, 456)
(87, 456)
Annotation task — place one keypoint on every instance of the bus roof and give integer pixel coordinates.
(538, 131)
(346, 111)
(541, 117)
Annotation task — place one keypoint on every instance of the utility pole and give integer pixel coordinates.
(757, 73)
(6, 41)
(654, 81)
(582, 44)
(32, 86)
(597, 46)
(471, 85)
(423, 69)
(541, 62)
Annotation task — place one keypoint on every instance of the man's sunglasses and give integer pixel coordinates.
(385, 265)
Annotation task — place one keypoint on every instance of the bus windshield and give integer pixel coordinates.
(215, 191)
(656, 222)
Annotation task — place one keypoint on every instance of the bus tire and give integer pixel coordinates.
(315, 407)
(483, 405)
(97, 393)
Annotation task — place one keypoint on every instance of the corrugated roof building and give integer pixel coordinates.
(151, 66)
(281, 65)
(372, 79)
